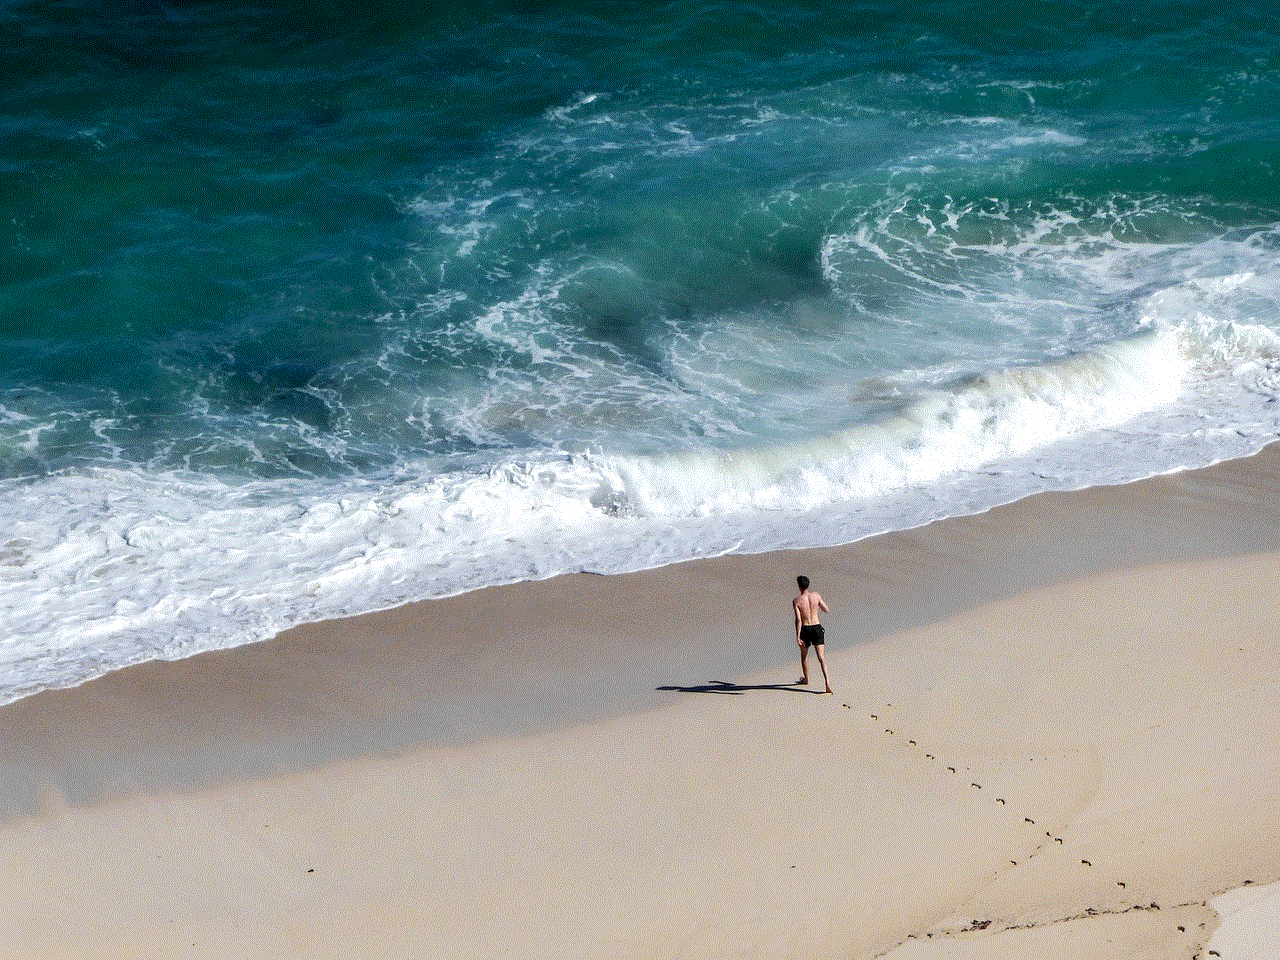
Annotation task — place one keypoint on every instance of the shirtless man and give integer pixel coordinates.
(809, 631)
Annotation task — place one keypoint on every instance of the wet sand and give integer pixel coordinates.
(1055, 732)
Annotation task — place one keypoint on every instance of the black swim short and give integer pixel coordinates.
(813, 635)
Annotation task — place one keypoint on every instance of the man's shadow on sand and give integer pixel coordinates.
(738, 689)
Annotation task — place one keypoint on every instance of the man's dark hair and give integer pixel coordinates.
(803, 581)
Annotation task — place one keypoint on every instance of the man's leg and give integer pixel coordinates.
(821, 649)
(804, 664)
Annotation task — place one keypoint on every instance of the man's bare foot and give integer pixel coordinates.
(829, 690)
(803, 681)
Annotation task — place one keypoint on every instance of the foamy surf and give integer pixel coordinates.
(972, 423)
(108, 567)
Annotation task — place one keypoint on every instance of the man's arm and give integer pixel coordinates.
(795, 608)
(823, 604)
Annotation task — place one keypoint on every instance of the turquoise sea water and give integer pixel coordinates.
(308, 309)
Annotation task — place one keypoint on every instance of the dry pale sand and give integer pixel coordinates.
(1250, 928)
(1056, 733)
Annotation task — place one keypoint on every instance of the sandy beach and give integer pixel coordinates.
(1055, 733)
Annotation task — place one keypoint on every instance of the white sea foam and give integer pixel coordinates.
(1104, 360)
(113, 566)
(979, 421)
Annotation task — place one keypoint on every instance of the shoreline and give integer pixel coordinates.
(1054, 732)
(394, 680)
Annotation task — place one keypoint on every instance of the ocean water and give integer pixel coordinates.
(309, 309)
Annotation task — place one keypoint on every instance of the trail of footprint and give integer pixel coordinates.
(999, 800)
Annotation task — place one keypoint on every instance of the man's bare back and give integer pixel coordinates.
(807, 606)
(809, 630)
